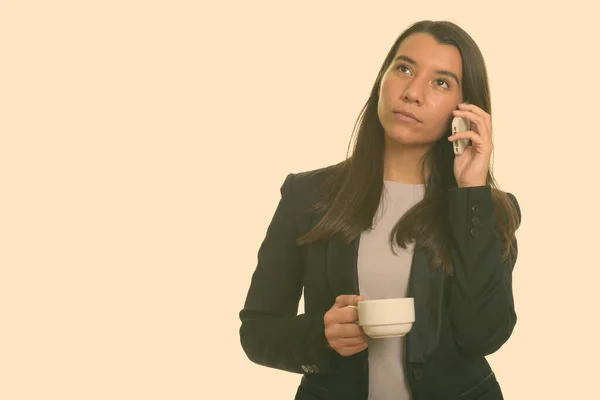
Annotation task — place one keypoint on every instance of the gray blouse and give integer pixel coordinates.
(382, 274)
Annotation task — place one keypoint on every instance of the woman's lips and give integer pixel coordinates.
(404, 117)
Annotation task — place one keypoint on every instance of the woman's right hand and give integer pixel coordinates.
(343, 334)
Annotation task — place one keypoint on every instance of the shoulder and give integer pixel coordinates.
(304, 186)
(312, 179)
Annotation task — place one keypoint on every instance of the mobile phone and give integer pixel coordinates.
(460, 124)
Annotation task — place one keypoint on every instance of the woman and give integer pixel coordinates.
(402, 217)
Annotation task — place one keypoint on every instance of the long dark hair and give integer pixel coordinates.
(353, 191)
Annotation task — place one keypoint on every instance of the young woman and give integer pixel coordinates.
(401, 217)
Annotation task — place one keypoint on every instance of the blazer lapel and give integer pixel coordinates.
(426, 286)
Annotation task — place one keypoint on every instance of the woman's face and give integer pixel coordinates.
(424, 80)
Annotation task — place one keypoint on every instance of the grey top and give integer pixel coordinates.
(381, 275)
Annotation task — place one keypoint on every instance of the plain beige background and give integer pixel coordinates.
(144, 143)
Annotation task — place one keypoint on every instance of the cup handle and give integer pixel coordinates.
(357, 321)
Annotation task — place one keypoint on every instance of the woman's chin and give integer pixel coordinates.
(402, 137)
(407, 139)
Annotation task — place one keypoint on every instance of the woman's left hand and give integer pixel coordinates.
(472, 166)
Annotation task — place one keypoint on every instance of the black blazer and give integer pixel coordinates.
(458, 319)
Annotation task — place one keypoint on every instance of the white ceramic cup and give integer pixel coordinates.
(385, 318)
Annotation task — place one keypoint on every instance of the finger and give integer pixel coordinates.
(349, 315)
(472, 135)
(476, 139)
(471, 112)
(349, 342)
(342, 316)
(478, 125)
(344, 300)
(345, 315)
(475, 110)
(343, 330)
(475, 136)
(476, 119)
(347, 330)
(348, 351)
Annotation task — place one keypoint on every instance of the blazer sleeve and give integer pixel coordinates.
(481, 303)
(272, 333)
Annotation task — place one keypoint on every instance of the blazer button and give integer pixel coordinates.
(417, 374)
(315, 369)
(304, 368)
(474, 232)
(310, 369)
(475, 209)
(476, 221)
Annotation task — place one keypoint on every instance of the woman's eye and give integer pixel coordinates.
(442, 82)
(403, 68)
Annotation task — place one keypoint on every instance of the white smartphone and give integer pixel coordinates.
(460, 124)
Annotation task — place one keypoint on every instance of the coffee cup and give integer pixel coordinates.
(384, 318)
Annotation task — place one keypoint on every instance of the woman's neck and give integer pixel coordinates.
(404, 164)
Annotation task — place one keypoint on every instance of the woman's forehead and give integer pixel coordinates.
(424, 51)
